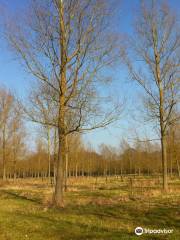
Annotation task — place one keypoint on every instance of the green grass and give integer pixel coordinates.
(92, 211)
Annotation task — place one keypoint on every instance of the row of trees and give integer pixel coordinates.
(11, 131)
(141, 158)
(67, 45)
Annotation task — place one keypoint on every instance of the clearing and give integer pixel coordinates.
(94, 209)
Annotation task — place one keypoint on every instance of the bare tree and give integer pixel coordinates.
(153, 62)
(18, 134)
(65, 45)
(40, 145)
(6, 105)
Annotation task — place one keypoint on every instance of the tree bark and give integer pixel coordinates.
(66, 165)
(49, 155)
(164, 162)
(178, 167)
(163, 135)
(161, 108)
(55, 153)
(4, 153)
(58, 196)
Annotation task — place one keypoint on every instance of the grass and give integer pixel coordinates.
(93, 211)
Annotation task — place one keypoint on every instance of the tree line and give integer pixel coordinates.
(140, 158)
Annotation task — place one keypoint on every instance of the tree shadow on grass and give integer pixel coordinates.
(17, 196)
(153, 218)
(65, 229)
(60, 224)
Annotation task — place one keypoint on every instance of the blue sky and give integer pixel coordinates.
(13, 76)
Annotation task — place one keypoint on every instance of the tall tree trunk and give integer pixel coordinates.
(130, 165)
(55, 153)
(171, 165)
(178, 167)
(4, 153)
(161, 107)
(76, 169)
(39, 166)
(14, 175)
(163, 136)
(58, 196)
(164, 162)
(49, 155)
(66, 166)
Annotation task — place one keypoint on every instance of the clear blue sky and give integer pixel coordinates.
(13, 76)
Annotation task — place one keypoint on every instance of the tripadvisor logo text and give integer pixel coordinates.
(139, 231)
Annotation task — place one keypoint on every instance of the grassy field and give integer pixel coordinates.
(93, 210)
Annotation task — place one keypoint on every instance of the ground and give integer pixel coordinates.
(93, 209)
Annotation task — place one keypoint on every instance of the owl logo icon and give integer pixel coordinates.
(139, 231)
